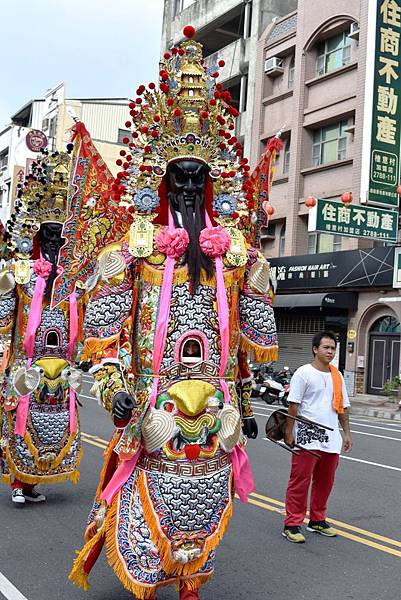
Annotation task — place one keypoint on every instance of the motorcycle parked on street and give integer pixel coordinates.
(272, 386)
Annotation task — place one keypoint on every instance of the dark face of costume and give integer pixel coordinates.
(186, 184)
(50, 241)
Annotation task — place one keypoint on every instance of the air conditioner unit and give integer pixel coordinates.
(274, 66)
(45, 124)
(354, 31)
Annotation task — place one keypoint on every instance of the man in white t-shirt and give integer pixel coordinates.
(318, 393)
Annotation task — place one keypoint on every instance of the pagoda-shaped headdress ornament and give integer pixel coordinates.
(41, 199)
(189, 116)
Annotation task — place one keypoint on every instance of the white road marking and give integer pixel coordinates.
(376, 435)
(357, 423)
(374, 426)
(89, 397)
(384, 437)
(366, 462)
(8, 590)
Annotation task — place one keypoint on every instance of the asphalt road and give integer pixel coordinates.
(37, 542)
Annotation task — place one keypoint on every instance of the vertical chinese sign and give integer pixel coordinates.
(380, 183)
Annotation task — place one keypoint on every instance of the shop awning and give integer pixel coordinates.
(344, 300)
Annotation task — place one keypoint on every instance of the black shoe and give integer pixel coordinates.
(34, 496)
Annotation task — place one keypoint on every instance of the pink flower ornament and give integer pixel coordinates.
(172, 242)
(42, 268)
(214, 241)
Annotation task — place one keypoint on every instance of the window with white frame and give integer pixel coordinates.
(3, 160)
(180, 5)
(329, 143)
(333, 53)
(291, 73)
(287, 154)
(123, 133)
(323, 242)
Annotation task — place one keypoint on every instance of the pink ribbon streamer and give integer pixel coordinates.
(162, 325)
(162, 319)
(35, 316)
(73, 325)
(126, 468)
(122, 474)
(72, 409)
(243, 477)
(22, 411)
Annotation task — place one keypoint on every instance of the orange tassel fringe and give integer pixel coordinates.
(261, 354)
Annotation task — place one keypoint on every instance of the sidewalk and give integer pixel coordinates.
(375, 406)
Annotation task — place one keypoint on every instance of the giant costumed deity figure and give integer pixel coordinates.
(172, 304)
(39, 435)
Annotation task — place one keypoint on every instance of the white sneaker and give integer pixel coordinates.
(34, 496)
(17, 496)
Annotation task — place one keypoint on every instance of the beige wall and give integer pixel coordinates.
(312, 103)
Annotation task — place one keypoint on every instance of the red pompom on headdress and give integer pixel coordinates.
(189, 31)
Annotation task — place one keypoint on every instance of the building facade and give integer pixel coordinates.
(229, 30)
(54, 116)
(310, 82)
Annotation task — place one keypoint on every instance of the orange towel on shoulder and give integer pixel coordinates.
(338, 403)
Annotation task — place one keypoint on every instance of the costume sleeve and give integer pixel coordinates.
(7, 302)
(245, 385)
(108, 328)
(8, 306)
(257, 323)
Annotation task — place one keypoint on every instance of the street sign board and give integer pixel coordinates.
(36, 140)
(382, 116)
(331, 216)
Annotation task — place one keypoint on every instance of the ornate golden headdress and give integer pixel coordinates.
(41, 199)
(189, 116)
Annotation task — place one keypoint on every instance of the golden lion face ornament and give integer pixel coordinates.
(190, 421)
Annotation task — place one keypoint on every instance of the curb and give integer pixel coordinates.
(369, 411)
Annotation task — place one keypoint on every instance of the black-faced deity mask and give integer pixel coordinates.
(50, 242)
(186, 184)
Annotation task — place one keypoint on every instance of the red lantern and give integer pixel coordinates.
(310, 202)
(399, 190)
(346, 197)
(269, 210)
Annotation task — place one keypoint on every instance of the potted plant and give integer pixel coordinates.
(392, 389)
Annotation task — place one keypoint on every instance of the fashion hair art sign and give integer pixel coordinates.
(354, 269)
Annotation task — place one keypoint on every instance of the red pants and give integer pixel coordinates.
(306, 468)
(27, 487)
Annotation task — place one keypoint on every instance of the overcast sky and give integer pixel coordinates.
(99, 48)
